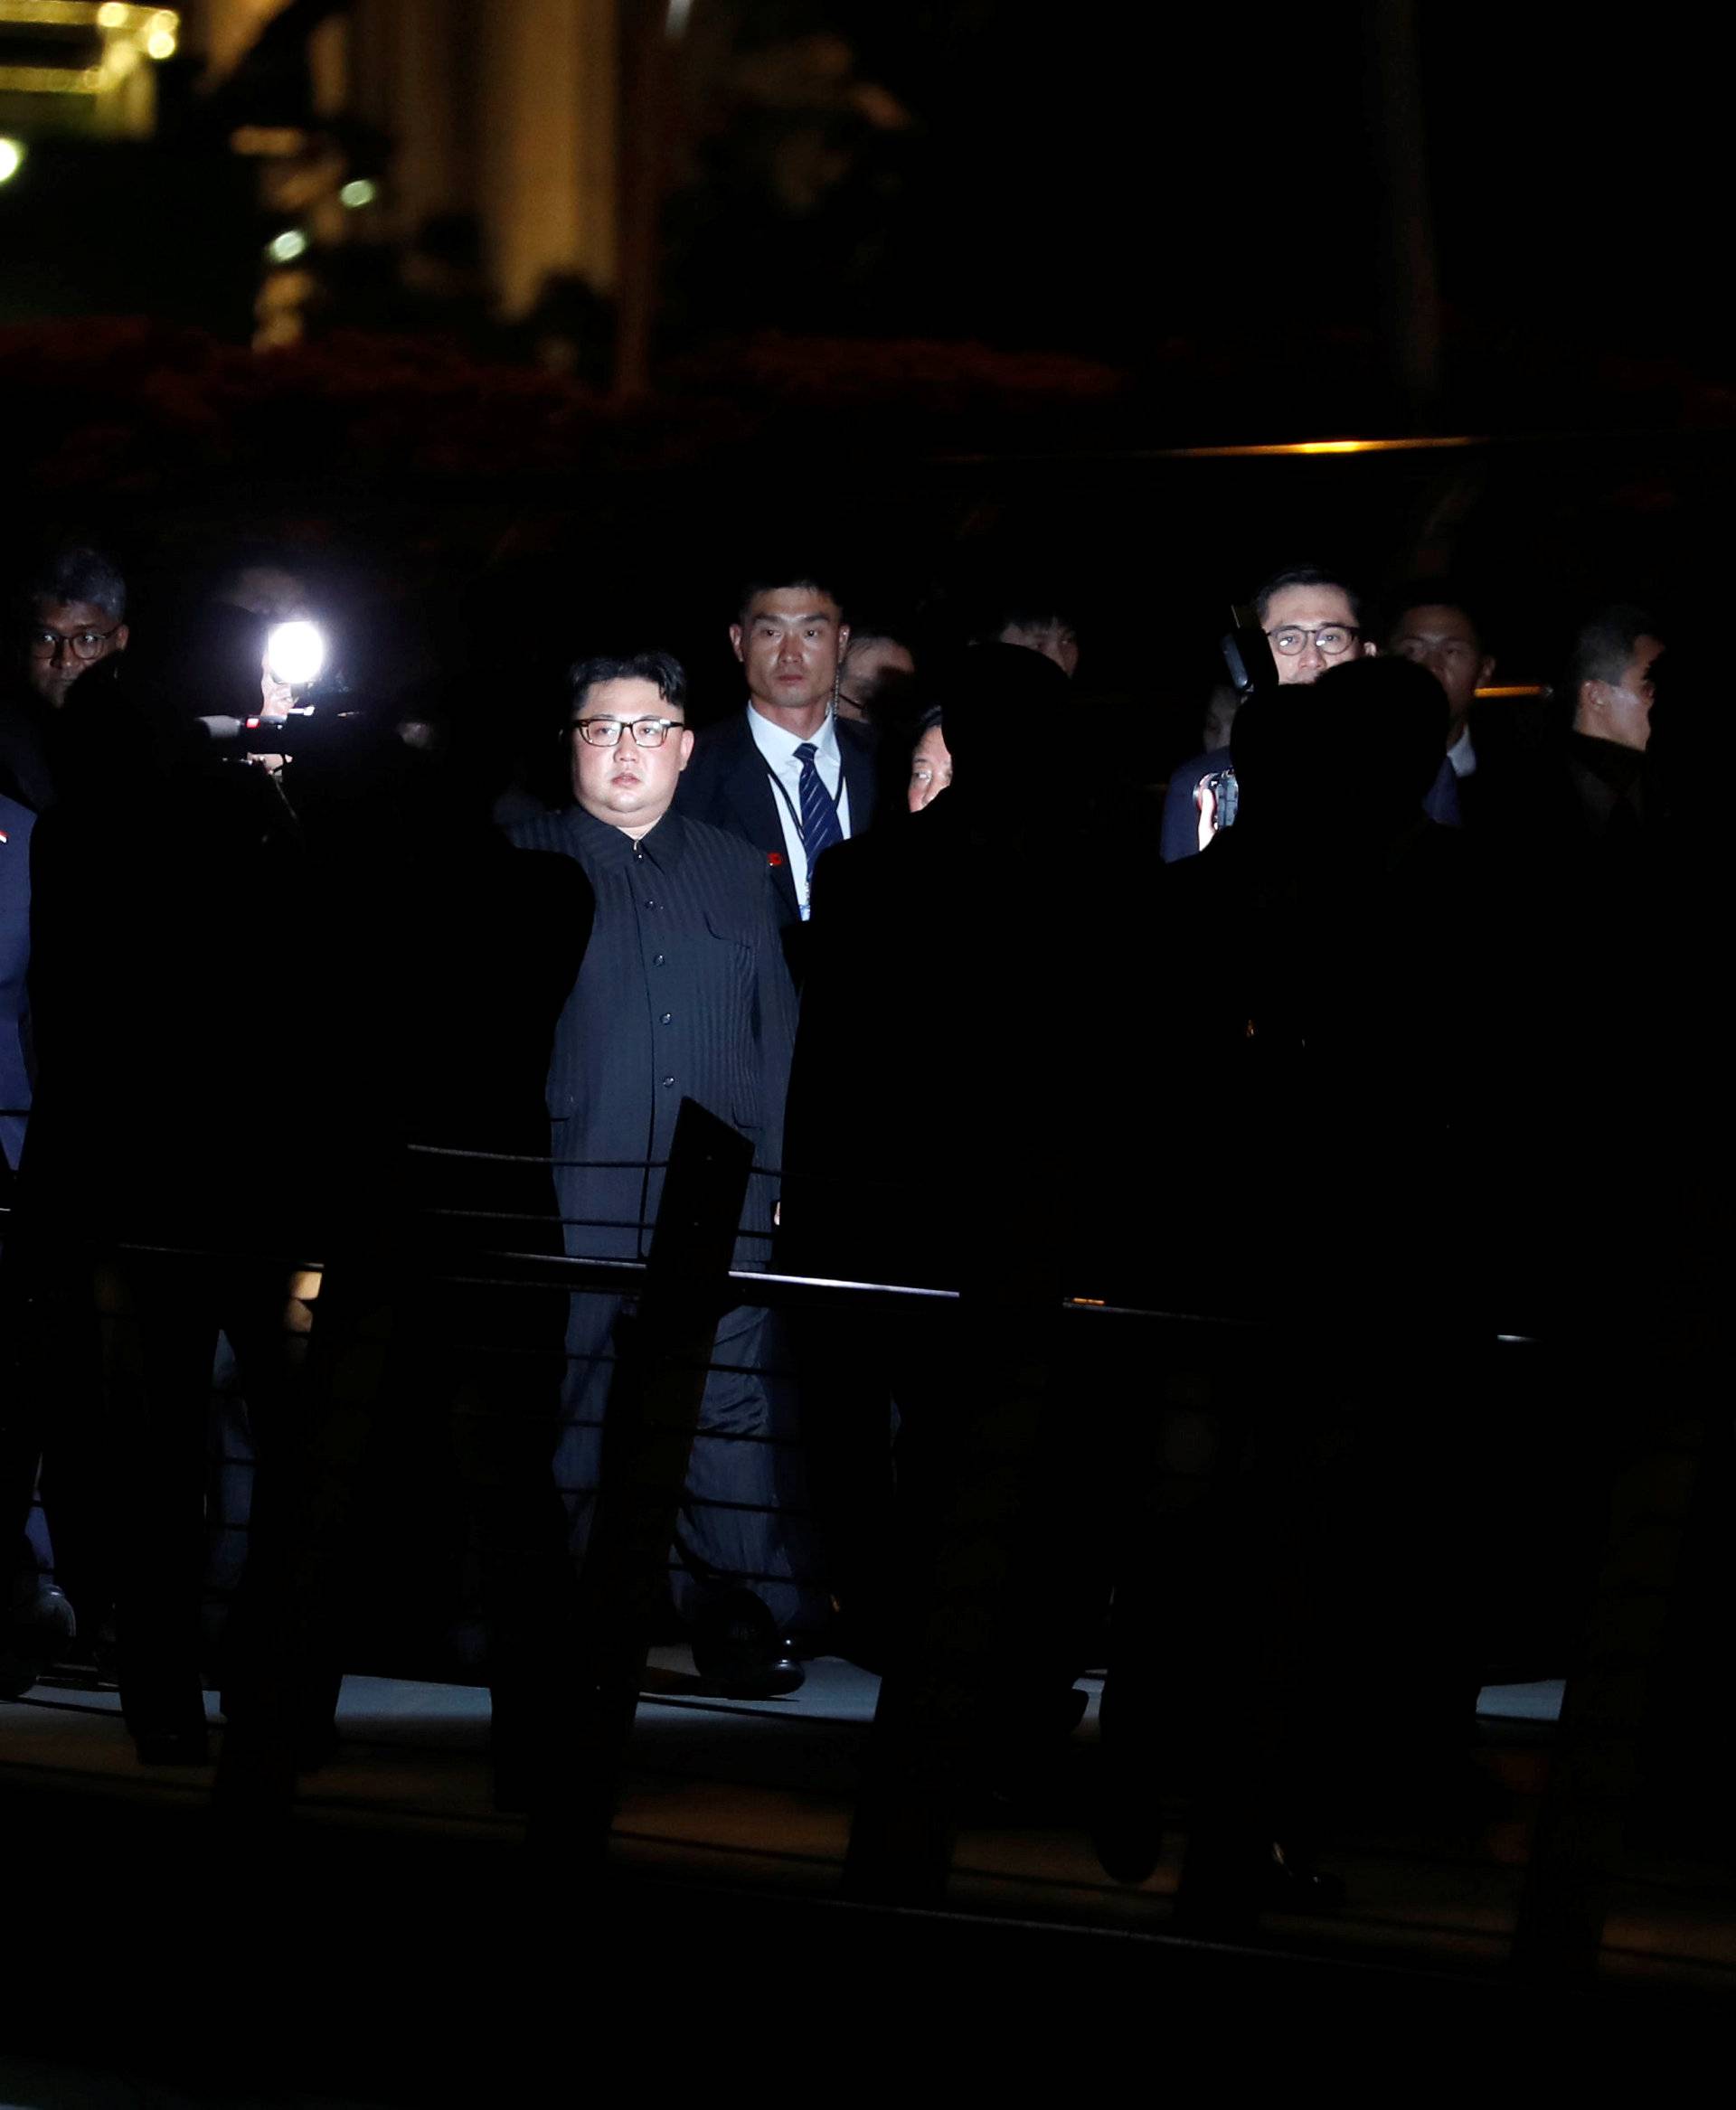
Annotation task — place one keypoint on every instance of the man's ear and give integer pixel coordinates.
(1485, 674)
(735, 639)
(1370, 649)
(844, 639)
(687, 741)
(121, 635)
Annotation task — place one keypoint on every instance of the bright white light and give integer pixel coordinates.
(358, 192)
(285, 248)
(676, 21)
(295, 654)
(112, 16)
(12, 159)
(160, 43)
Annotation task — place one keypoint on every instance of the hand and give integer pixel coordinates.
(1205, 800)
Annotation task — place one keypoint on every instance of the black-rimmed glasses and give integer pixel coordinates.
(605, 732)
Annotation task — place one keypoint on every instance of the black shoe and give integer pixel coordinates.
(737, 1647)
(1289, 1884)
(1228, 1880)
(39, 1625)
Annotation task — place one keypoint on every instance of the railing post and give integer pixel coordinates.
(953, 1669)
(1594, 1762)
(662, 1359)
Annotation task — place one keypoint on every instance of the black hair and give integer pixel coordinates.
(1605, 644)
(1438, 592)
(781, 582)
(1308, 575)
(1028, 606)
(77, 572)
(663, 669)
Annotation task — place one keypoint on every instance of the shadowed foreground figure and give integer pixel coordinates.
(1329, 1201)
(959, 966)
(423, 1428)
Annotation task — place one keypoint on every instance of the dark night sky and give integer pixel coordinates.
(1103, 179)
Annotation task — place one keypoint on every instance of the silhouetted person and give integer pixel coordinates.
(954, 972)
(170, 1185)
(1329, 1198)
(425, 1420)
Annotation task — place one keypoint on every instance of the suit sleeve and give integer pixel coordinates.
(775, 1017)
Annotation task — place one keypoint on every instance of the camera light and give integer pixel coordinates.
(358, 192)
(161, 43)
(12, 159)
(295, 654)
(285, 248)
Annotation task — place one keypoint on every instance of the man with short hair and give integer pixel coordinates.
(1433, 625)
(1313, 620)
(1609, 676)
(876, 667)
(1036, 620)
(786, 773)
(684, 994)
(68, 617)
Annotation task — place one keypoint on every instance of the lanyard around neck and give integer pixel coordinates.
(796, 818)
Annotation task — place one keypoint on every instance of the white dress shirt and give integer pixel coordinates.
(1462, 755)
(778, 748)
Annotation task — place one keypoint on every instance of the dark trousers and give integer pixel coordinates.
(744, 1522)
(159, 1317)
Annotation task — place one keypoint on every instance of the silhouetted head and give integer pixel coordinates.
(1383, 728)
(1011, 720)
(1274, 745)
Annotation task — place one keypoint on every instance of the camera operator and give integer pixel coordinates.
(167, 896)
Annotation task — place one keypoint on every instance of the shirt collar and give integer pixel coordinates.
(776, 745)
(1462, 755)
(611, 846)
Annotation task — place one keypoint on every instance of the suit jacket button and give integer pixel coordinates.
(665, 1018)
(668, 1082)
(657, 959)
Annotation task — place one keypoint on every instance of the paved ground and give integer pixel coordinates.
(398, 1944)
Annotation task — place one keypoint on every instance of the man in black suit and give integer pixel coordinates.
(683, 995)
(786, 773)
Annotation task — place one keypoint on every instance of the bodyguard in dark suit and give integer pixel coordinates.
(786, 773)
(683, 995)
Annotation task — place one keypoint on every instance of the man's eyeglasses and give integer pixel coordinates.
(81, 644)
(605, 732)
(1330, 638)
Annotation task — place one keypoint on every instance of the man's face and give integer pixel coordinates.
(1302, 611)
(1621, 710)
(1058, 641)
(64, 639)
(1444, 639)
(931, 769)
(627, 786)
(789, 643)
(867, 666)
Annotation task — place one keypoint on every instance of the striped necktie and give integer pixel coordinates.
(820, 828)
